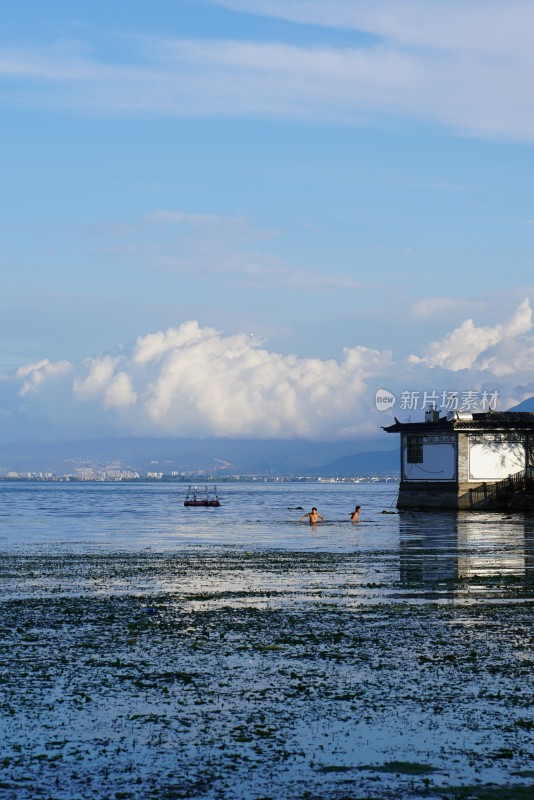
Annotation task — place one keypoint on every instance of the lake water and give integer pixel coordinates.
(396, 551)
(155, 652)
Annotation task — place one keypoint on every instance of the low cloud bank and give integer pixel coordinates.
(194, 381)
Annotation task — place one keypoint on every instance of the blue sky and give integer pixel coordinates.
(300, 202)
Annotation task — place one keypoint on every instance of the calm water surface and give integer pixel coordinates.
(153, 651)
(393, 553)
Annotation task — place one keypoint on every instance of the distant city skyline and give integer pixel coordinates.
(235, 219)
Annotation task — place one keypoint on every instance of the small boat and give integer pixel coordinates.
(207, 498)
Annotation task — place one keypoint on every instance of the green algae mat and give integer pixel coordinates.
(195, 676)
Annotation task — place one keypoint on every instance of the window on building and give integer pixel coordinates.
(414, 449)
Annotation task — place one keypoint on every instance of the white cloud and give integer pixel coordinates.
(27, 369)
(36, 374)
(470, 27)
(100, 379)
(193, 381)
(473, 347)
(154, 346)
(119, 393)
(466, 65)
(100, 372)
(232, 386)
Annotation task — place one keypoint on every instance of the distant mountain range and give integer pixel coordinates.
(526, 405)
(213, 456)
(381, 462)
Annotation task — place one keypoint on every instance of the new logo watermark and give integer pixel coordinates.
(384, 400)
(469, 400)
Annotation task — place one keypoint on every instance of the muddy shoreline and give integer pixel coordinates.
(260, 675)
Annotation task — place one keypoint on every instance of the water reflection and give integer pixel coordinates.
(429, 549)
(456, 545)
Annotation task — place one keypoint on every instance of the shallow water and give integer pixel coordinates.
(148, 650)
(413, 555)
(130, 516)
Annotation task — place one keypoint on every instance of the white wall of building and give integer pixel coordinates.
(493, 457)
(439, 460)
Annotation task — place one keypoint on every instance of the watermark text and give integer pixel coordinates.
(468, 400)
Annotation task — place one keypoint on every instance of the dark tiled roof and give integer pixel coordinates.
(498, 419)
(489, 420)
(440, 425)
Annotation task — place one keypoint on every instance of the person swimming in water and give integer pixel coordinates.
(313, 516)
(355, 514)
